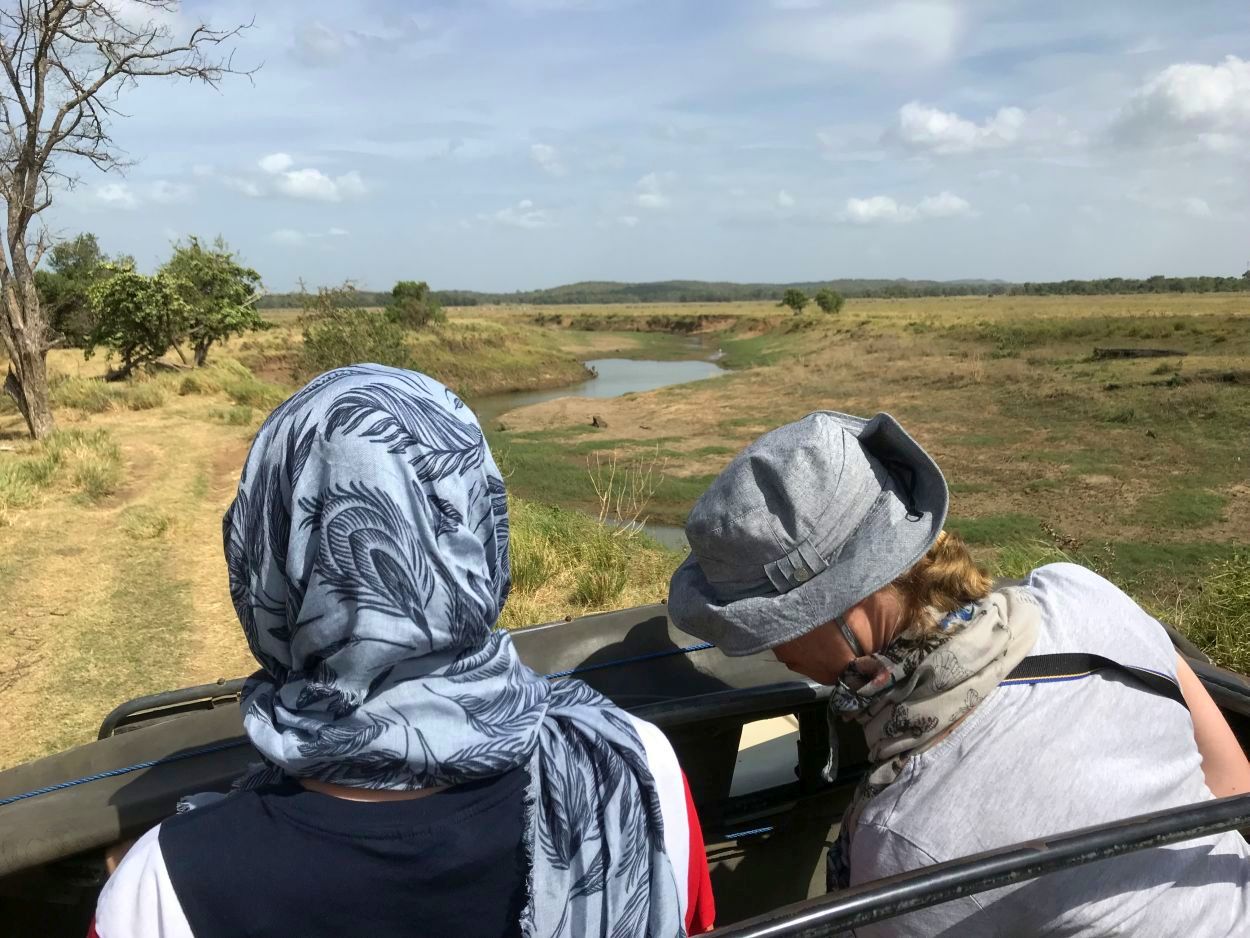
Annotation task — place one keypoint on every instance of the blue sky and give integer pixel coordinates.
(512, 144)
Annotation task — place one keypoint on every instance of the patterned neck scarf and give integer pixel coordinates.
(368, 557)
(908, 695)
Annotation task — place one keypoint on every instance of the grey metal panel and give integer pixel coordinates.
(62, 823)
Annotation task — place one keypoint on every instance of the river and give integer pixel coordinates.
(613, 377)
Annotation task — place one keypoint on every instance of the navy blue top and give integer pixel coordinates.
(291, 862)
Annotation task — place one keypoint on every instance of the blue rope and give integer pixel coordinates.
(753, 832)
(113, 773)
(218, 747)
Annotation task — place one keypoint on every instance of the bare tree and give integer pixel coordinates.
(66, 63)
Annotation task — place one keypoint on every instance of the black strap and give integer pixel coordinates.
(1039, 669)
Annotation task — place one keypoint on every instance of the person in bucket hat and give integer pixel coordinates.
(823, 541)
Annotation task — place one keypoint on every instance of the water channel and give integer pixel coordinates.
(613, 377)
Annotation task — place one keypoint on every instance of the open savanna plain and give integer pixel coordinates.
(112, 581)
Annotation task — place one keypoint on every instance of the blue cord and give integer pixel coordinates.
(219, 747)
(113, 773)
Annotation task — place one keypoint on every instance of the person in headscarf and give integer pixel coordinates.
(417, 778)
(992, 715)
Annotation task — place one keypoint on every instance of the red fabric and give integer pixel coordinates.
(91, 932)
(700, 904)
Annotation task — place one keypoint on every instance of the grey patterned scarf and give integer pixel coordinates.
(922, 685)
(368, 558)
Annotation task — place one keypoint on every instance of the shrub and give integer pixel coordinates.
(350, 336)
(412, 306)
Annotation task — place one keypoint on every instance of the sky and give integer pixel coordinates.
(515, 144)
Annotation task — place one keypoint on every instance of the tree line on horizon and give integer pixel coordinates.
(698, 291)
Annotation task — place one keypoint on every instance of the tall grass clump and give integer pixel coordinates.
(84, 461)
(96, 396)
(1216, 615)
(229, 377)
(566, 563)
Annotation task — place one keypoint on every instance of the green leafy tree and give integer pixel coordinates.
(219, 292)
(136, 318)
(794, 298)
(337, 333)
(829, 301)
(412, 306)
(73, 267)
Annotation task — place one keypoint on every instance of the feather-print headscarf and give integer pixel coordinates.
(368, 557)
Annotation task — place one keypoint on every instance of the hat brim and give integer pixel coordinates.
(894, 536)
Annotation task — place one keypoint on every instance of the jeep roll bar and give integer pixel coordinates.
(831, 915)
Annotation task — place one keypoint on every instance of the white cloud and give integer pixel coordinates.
(920, 127)
(785, 199)
(1196, 207)
(522, 215)
(943, 205)
(116, 195)
(275, 162)
(628, 221)
(315, 185)
(884, 36)
(306, 183)
(1189, 102)
(650, 191)
(337, 232)
(880, 209)
(548, 159)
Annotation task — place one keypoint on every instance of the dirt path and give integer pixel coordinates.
(128, 597)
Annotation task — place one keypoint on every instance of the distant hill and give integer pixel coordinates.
(704, 291)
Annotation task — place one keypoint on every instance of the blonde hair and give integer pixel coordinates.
(945, 579)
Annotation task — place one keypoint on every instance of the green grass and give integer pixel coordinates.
(237, 416)
(1181, 508)
(85, 461)
(229, 377)
(565, 563)
(145, 523)
(1216, 615)
(996, 529)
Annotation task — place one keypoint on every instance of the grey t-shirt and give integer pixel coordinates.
(1041, 759)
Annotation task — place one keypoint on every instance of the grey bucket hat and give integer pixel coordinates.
(805, 522)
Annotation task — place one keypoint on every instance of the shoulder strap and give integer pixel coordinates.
(1045, 669)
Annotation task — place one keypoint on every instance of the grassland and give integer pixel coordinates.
(1137, 466)
(111, 576)
(112, 581)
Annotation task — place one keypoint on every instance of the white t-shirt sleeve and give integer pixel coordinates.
(671, 786)
(139, 901)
